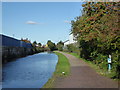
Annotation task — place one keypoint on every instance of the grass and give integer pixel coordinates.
(62, 66)
(94, 66)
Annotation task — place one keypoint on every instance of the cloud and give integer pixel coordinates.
(31, 22)
(67, 21)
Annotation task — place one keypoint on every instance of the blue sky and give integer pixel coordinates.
(40, 21)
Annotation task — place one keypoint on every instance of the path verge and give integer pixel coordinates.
(62, 66)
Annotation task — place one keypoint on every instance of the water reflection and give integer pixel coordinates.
(29, 72)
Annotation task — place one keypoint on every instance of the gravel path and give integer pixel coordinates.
(83, 76)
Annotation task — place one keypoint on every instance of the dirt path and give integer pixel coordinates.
(83, 76)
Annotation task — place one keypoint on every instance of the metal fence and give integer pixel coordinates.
(12, 42)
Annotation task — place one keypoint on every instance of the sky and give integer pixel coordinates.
(39, 21)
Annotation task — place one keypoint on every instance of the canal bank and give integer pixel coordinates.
(62, 70)
(10, 53)
(11, 48)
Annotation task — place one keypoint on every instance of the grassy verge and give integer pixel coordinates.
(62, 66)
(94, 66)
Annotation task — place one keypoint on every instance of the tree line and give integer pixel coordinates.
(50, 46)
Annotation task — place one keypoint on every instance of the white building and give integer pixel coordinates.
(70, 41)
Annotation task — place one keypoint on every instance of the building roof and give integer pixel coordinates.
(65, 41)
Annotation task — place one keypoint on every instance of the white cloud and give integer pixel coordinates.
(67, 21)
(31, 22)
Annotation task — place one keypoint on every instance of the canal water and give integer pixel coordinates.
(29, 72)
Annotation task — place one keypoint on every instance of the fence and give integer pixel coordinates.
(12, 42)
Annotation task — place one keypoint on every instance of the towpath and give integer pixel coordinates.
(83, 76)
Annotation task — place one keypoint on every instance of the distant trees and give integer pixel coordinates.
(37, 47)
(34, 44)
(39, 44)
(60, 46)
(26, 40)
(51, 45)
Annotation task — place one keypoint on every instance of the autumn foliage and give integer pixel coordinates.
(98, 33)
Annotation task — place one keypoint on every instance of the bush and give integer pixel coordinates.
(72, 48)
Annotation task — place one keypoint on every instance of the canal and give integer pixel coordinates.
(29, 72)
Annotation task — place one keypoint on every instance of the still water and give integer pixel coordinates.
(29, 72)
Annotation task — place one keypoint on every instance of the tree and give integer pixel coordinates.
(99, 25)
(34, 43)
(39, 44)
(51, 45)
(37, 47)
(60, 46)
(98, 33)
(26, 40)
